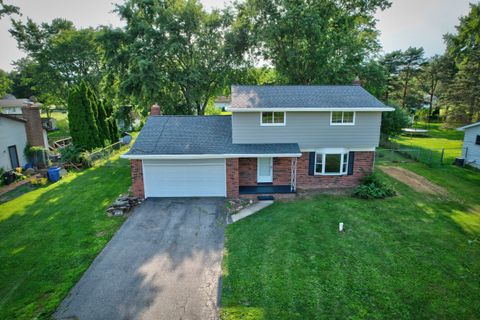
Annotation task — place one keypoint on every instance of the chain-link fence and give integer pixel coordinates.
(105, 152)
(431, 157)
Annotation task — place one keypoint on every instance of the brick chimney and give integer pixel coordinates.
(33, 126)
(357, 81)
(155, 110)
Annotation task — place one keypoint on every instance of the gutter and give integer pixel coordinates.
(233, 109)
(207, 156)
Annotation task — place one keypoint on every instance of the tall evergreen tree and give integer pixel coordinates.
(81, 118)
(102, 123)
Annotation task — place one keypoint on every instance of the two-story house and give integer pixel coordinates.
(279, 139)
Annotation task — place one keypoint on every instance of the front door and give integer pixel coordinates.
(12, 152)
(264, 170)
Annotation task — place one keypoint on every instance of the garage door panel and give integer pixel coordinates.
(186, 178)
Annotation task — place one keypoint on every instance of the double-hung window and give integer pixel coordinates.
(272, 118)
(331, 163)
(339, 118)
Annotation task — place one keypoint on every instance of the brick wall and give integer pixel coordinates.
(33, 126)
(232, 178)
(363, 165)
(248, 171)
(137, 178)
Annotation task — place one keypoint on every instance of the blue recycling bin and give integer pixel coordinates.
(53, 174)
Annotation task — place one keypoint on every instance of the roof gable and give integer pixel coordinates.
(469, 126)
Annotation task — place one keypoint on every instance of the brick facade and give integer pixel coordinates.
(33, 126)
(363, 165)
(232, 178)
(137, 178)
(248, 171)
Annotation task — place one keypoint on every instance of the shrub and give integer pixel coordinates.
(70, 154)
(37, 156)
(372, 187)
(393, 122)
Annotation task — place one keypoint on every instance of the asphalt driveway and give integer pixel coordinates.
(163, 263)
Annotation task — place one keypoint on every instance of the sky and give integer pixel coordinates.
(406, 23)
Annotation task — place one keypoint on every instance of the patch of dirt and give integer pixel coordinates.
(413, 180)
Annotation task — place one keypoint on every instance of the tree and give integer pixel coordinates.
(402, 68)
(393, 122)
(429, 79)
(463, 92)
(62, 56)
(22, 78)
(81, 117)
(8, 9)
(310, 42)
(171, 52)
(374, 78)
(413, 59)
(5, 83)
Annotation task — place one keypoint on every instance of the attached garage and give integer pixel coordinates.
(184, 178)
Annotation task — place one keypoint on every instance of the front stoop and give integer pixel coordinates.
(249, 211)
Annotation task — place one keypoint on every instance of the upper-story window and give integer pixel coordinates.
(477, 141)
(272, 118)
(342, 118)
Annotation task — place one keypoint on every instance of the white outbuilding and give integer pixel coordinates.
(471, 144)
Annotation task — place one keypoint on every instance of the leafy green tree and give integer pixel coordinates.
(81, 117)
(374, 78)
(5, 83)
(309, 42)
(393, 122)
(61, 55)
(171, 52)
(22, 78)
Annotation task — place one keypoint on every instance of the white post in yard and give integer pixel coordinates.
(340, 226)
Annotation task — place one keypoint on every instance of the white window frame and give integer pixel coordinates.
(342, 123)
(273, 119)
(343, 163)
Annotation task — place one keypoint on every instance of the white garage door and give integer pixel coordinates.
(184, 178)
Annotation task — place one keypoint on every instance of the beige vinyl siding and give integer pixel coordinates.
(473, 153)
(309, 129)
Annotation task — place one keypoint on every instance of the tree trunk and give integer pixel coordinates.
(405, 86)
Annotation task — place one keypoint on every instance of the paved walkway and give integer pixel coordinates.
(163, 263)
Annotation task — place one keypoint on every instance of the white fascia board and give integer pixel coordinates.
(208, 156)
(331, 149)
(468, 126)
(230, 109)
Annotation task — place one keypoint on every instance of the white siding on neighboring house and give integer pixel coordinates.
(11, 133)
(471, 150)
(309, 130)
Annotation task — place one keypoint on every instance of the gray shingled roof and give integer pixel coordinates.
(182, 135)
(349, 96)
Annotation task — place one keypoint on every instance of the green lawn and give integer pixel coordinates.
(49, 237)
(411, 256)
(438, 138)
(62, 124)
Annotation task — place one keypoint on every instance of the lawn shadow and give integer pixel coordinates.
(51, 234)
(163, 263)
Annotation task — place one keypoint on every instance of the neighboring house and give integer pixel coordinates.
(222, 102)
(471, 144)
(16, 131)
(9, 104)
(279, 139)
